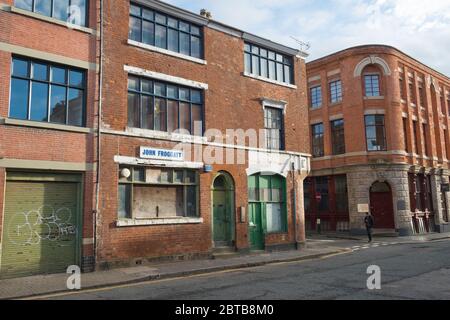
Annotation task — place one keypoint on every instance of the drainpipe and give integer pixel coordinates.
(294, 209)
(99, 124)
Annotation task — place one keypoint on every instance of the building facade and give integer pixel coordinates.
(204, 138)
(379, 124)
(48, 108)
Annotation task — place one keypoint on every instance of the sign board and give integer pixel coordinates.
(363, 207)
(161, 154)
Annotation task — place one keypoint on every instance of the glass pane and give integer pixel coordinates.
(43, 7)
(191, 201)
(190, 177)
(287, 74)
(196, 96)
(40, 71)
(255, 65)
(185, 117)
(39, 101)
(24, 4)
(58, 104)
(146, 86)
(172, 116)
(124, 201)
(273, 217)
(76, 78)
(271, 55)
(147, 14)
(134, 32)
(195, 30)
(248, 63)
(184, 26)
(280, 72)
(370, 120)
(195, 47)
(148, 32)
(60, 9)
(178, 176)
(78, 12)
(247, 47)
(197, 120)
(263, 52)
(19, 99)
(160, 115)
(161, 37)
(272, 72)
(147, 112)
(133, 83)
(160, 18)
(172, 92)
(255, 50)
(138, 174)
(184, 94)
(264, 68)
(135, 10)
(58, 75)
(76, 107)
(279, 57)
(160, 89)
(20, 68)
(173, 40)
(133, 110)
(184, 43)
(172, 23)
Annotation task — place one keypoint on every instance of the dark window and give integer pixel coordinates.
(340, 187)
(158, 193)
(71, 11)
(317, 140)
(307, 189)
(375, 133)
(405, 133)
(161, 106)
(47, 93)
(273, 123)
(316, 97)
(421, 96)
(420, 192)
(446, 149)
(166, 32)
(402, 89)
(335, 91)
(268, 64)
(416, 138)
(322, 189)
(372, 85)
(337, 136)
(411, 91)
(425, 143)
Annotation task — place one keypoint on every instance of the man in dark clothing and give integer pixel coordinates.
(368, 221)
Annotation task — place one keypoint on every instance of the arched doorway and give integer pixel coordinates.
(381, 205)
(223, 209)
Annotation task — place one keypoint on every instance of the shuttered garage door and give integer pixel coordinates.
(40, 229)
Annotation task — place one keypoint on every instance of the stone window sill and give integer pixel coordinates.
(157, 221)
(374, 98)
(291, 86)
(44, 125)
(166, 52)
(49, 19)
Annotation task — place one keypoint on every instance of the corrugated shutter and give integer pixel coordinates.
(41, 227)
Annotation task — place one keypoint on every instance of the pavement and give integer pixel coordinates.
(318, 246)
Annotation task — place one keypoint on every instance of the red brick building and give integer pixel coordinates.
(379, 124)
(48, 80)
(167, 69)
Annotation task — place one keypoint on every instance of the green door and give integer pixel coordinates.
(255, 227)
(222, 236)
(40, 233)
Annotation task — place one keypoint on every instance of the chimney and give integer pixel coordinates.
(206, 14)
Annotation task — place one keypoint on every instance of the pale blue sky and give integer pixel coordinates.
(417, 27)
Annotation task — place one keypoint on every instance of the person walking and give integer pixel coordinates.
(368, 221)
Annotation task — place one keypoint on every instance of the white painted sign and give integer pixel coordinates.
(363, 207)
(161, 154)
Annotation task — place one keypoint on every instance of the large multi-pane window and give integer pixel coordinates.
(162, 106)
(47, 92)
(72, 11)
(375, 133)
(322, 190)
(166, 32)
(335, 91)
(273, 123)
(372, 85)
(420, 192)
(317, 140)
(341, 193)
(316, 96)
(268, 64)
(337, 136)
(149, 193)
